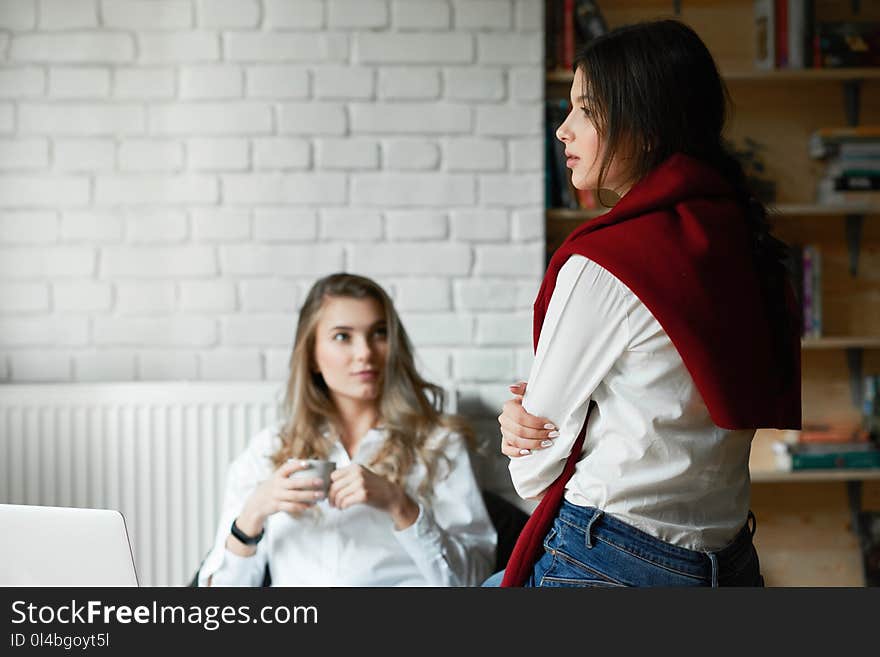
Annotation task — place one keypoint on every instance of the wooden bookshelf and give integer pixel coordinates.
(841, 343)
(764, 469)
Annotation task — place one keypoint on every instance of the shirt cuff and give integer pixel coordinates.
(424, 531)
(225, 568)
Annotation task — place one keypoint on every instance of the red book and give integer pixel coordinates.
(567, 41)
(781, 20)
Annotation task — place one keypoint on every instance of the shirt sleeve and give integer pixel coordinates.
(222, 567)
(584, 333)
(453, 540)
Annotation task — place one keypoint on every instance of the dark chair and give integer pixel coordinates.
(507, 518)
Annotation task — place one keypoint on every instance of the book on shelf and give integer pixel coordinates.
(780, 21)
(857, 181)
(825, 456)
(811, 291)
(862, 141)
(570, 25)
(765, 34)
(566, 54)
(784, 33)
(848, 44)
(826, 433)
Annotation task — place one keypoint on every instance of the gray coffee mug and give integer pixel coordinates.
(316, 469)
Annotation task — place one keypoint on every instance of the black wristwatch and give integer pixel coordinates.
(244, 538)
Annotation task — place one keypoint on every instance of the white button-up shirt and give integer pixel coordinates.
(452, 543)
(652, 456)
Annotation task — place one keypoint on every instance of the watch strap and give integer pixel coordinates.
(244, 538)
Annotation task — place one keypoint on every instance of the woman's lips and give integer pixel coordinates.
(369, 375)
(571, 161)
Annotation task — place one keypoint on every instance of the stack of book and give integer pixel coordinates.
(852, 165)
(822, 447)
(805, 269)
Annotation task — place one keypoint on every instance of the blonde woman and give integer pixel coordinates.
(403, 507)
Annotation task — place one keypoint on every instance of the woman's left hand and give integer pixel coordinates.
(356, 484)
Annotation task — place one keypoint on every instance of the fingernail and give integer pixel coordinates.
(303, 464)
(549, 426)
(553, 434)
(546, 443)
(523, 452)
(318, 482)
(319, 494)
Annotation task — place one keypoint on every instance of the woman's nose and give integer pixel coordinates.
(363, 349)
(563, 134)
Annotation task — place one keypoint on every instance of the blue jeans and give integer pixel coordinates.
(587, 548)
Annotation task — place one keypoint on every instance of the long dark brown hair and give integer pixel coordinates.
(410, 408)
(653, 90)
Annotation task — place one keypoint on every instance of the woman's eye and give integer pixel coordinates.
(381, 333)
(586, 111)
(340, 337)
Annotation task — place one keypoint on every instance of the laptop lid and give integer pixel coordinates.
(61, 546)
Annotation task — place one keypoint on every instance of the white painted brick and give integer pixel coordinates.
(228, 13)
(82, 296)
(84, 154)
(28, 227)
(5, 374)
(180, 48)
(473, 154)
(40, 366)
(286, 225)
(512, 48)
(157, 226)
(212, 296)
(494, 294)
(114, 365)
(44, 331)
(420, 15)
(199, 82)
(528, 225)
(433, 363)
(217, 154)
(273, 296)
(403, 189)
(24, 298)
(416, 225)
(158, 262)
(511, 190)
(410, 48)
(18, 15)
(52, 191)
(23, 82)
(7, 118)
(275, 189)
(312, 119)
(164, 331)
(282, 153)
(438, 328)
(79, 82)
(474, 83)
(18, 154)
(210, 119)
(259, 330)
(357, 13)
(159, 365)
(480, 225)
(410, 154)
(80, 119)
(218, 225)
(73, 47)
(277, 82)
(351, 224)
(510, 120)
(529, 15)
(432, 294)
(504, 329)
(410, 118)
(483, 365)
(263, 47)
(277, 364)
(527, 260)
(91, 226)
(229, 365)
(68, 14)
(150, 155)
(344, 82)
(401, 83)
(527, 83)
(526, 155)
(145, 297)
(347, 153)
(411, 258)
(298, 14)
(146, 14)
(146, 83)
(482, 14)
(155, 189)
(259, 260)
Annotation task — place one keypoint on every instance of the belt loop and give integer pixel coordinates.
(713, 560)
(752, 522)
(589, 530)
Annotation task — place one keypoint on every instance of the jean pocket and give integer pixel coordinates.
(549, 581)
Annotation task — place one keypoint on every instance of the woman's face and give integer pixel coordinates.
(582, 144)
(351, 347)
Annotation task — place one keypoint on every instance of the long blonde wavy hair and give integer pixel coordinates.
(410, 408)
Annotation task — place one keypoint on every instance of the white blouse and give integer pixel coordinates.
(652, 456)
(452, 543)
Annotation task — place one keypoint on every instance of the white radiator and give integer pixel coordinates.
(156, 452)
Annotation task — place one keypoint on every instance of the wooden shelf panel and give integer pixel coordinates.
(841, 343)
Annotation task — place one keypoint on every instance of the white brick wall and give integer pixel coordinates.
(174, 175)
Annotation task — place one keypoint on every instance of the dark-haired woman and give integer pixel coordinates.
(665, 335)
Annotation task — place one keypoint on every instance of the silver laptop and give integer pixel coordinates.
(60, 546)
